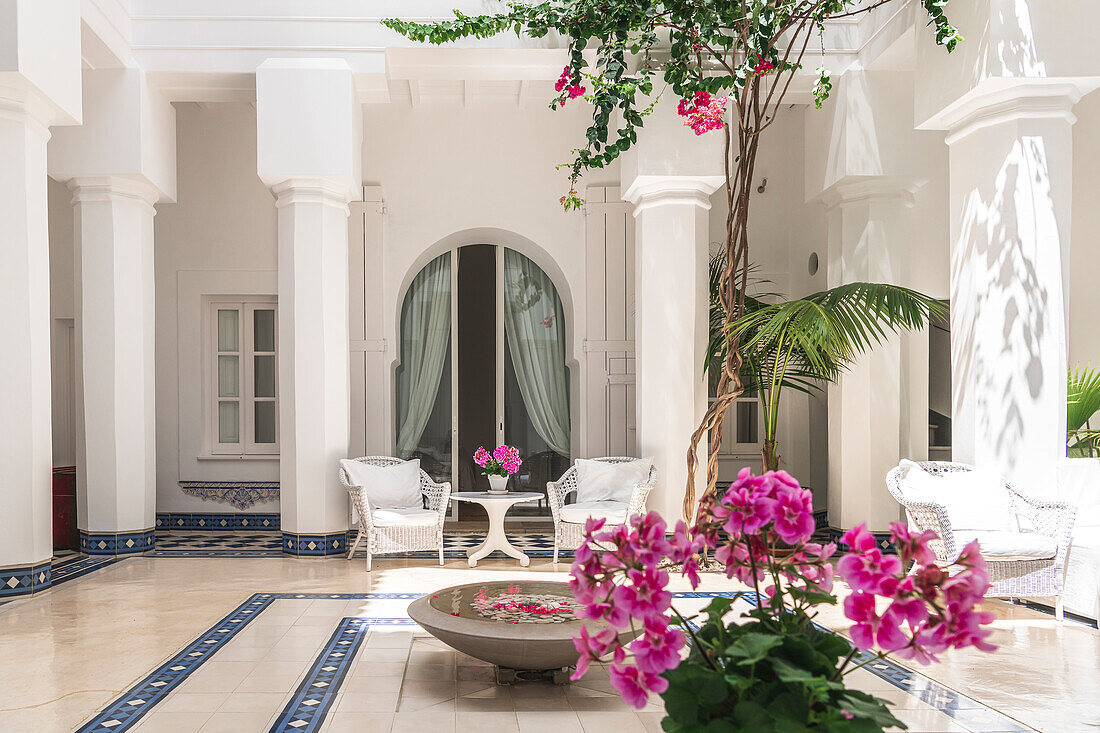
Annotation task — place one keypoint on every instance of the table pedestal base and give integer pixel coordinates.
(496, 539)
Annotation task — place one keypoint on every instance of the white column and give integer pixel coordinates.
(671, 242)
(309, 146)
(314, 380)
(26, 453)
(116, 451)
(1011, 186)
(869, 403)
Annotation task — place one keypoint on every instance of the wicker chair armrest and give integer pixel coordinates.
(638, 499)
(924, 516)
(358, 501)
(1049, 518)
(436, 495)
(556, 494)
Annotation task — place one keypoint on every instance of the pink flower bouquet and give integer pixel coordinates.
(770, 668)
(503, 461)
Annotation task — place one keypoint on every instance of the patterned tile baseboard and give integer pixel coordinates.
(221, 522)
(117, 543)
(268, 544)
(314, 545)
(24, 580)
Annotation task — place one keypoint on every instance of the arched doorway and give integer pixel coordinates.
(483, 362)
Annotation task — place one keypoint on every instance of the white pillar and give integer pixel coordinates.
(26, 452)
(309, 148)
(869, 403)
(672, 321)
(314, 377)
(39, 87)
(1011, 187)
(116, 451)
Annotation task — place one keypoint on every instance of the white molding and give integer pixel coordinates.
(312, 190)
(116, 189)
(646, 192)
(999, 100)
(861, 189)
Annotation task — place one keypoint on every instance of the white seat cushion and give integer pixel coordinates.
(1009, 546)
(975, 500)
(603, 481)
(389, 487)
(411, 517)
(613, 511)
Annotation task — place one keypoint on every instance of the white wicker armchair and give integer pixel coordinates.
(569, 535)
(1017, 578)
(394, 536)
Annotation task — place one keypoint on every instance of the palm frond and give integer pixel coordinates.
(1084, 396)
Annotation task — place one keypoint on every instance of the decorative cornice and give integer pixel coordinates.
(862, 189)
(27, 107)
(646, 192)
(1020, 100)
(114, 189)
(312, 190)
(241, 494)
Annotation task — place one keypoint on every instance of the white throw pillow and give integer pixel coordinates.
(975, 500)
(603, 481)
(387, 487)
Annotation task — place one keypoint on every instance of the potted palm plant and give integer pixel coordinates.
(1083, 388)
(804, 343)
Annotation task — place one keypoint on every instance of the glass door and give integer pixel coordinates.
(482, 363)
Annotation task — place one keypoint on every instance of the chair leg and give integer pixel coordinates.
(368, 558)
(354, 545)
(555, 552)
(1059, 609)
(441, 550)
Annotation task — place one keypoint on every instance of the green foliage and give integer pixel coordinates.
(1084, 400)
(767, 674)
(801, 344)
(690, 45)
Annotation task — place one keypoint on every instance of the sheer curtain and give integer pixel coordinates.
(534, 328)
(425, 339)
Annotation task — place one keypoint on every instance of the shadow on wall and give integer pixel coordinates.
(998, 332)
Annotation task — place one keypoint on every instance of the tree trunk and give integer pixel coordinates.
(770, 456)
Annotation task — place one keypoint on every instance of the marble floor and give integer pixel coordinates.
(202, 644)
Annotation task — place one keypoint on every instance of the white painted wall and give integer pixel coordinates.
(62, 338)
(1084, 268)
(220, 239)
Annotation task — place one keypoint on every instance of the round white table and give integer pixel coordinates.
(496, 506)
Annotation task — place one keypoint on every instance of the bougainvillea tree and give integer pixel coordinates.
(730, 63)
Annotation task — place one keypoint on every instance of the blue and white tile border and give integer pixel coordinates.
(125, 711)
(306, 710)
(24, 580)
(314, 545)
(117, 543)
(241, 494)
(222, 522)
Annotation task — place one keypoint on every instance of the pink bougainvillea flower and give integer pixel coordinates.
(703, 112)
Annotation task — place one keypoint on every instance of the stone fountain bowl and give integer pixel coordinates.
(494, 622)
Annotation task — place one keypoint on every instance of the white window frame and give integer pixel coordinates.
(246, 306)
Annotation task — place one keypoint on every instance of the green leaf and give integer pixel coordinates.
(752, 648)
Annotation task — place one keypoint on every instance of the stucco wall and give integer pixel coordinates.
(219, 238)
(1084, 258)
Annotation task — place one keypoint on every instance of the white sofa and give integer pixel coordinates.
(1078, 482)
